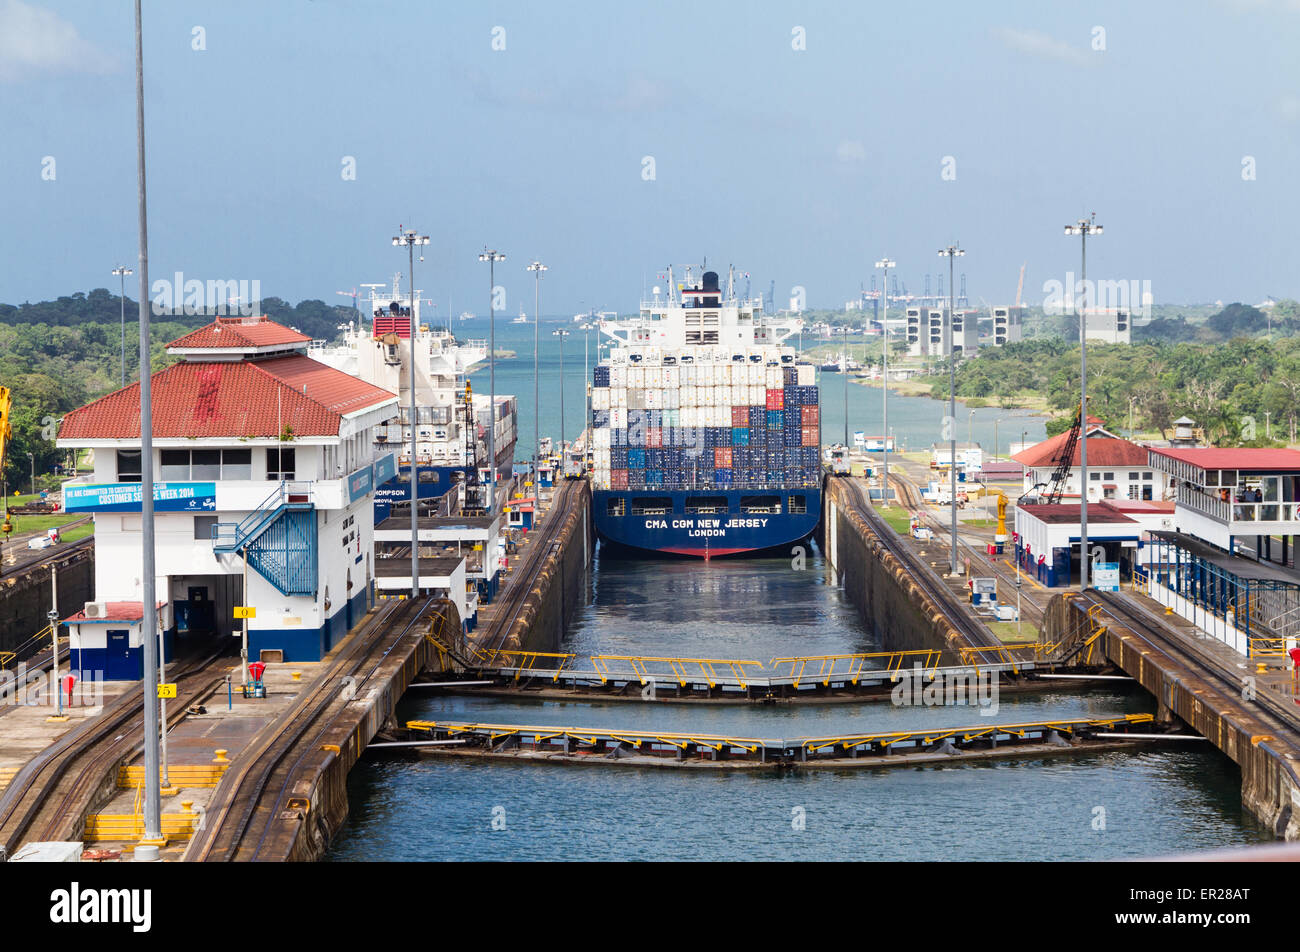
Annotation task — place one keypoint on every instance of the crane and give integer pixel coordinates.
(1064, 463)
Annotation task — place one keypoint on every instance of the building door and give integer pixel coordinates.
(119, 665)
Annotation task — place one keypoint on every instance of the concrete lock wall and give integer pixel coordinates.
(25, 597)
(560, 585)
(1270, 770)
(322, 785)
(897, 610)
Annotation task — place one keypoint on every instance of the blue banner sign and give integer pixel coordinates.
(359, 483)
(385, 468)
(126, 497)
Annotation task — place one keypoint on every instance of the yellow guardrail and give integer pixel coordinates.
(682, 670)
(5, 658)
(1270, 648)
(587, 735)
(637, 739)
(852, 667)
(933, 736)
(522, 663)
(1007, 654)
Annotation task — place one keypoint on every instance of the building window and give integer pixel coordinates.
(128, 466)
(1110, 476)
(1146, 475)
(205, 464)
(279, 464)
(1094, 475)
(203, 526)
(181, 465)
(236, 464)
(1132, 476)
(175, 466)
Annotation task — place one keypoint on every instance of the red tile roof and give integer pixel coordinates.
(239, 398)
(230, 332)
(1102, 451)
(1248, 459)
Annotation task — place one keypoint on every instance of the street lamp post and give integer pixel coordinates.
(952, 252)
(121, 272)
(587, 328)
(844, 372)
(970, 430)
(32, 457)
(1083, 228)
(561, 333)
(492, 257)
(536, 268)
(147, 850)
(409, 238)
(885, 264)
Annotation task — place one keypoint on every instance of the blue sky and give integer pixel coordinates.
(800, 166)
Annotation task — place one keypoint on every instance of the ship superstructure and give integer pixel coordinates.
(451, 421)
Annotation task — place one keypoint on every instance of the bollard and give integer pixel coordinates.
(221, 756)
(296, 675)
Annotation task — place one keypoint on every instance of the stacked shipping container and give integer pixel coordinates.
(711, 423)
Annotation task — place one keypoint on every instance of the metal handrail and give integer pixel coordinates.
(230, 533)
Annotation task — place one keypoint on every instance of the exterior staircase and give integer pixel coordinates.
(278, 539)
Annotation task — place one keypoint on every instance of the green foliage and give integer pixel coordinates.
(1237, 389)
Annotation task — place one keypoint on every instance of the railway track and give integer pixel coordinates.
(524, 578)
(48, 799)
(34, 557)
(1271, 710)
(910, 497)
(255, 790)
(975, 634)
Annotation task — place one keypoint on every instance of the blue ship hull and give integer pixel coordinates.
(674, 531)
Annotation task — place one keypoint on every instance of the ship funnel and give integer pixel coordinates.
(709, 281)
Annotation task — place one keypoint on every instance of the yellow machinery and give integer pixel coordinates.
(5, 434)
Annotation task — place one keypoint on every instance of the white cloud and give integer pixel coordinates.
(1040, 44)
(853, 151)
(34, 41)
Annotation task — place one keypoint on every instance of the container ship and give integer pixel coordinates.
(705, 428)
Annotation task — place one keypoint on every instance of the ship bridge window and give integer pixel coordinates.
(706, 504)
(651, 506)
(760, 504)
(616, 506)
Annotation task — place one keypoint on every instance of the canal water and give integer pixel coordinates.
(1100, 806)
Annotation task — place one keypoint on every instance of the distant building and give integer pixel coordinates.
(1008, 325)
(927, 332)
(1108, 325)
